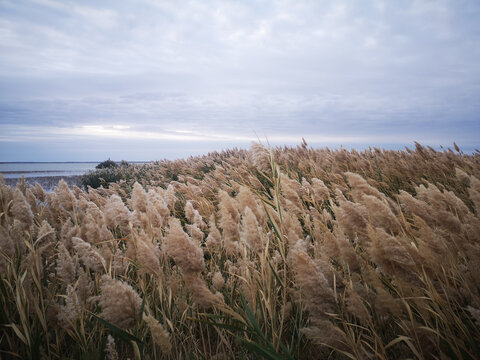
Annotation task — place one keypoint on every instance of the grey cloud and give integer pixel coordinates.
(323, 68)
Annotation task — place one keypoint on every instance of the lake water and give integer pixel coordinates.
(13, 170)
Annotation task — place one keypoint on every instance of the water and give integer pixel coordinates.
(14, 170)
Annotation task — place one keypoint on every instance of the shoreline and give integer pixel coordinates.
(47, 182)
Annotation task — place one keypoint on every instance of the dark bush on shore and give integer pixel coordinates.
(107, 173)
(100, 177)
(107, 164)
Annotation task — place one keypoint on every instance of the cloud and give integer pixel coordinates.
(102, 18)
(225, 70)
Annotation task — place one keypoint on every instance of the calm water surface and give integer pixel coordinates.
(12, 170)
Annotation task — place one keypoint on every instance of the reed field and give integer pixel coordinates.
(274, 253)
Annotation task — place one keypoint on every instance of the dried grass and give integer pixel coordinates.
(308, 253)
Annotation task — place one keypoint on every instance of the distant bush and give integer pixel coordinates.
(107, 164)
(100, 177)
(107, 172)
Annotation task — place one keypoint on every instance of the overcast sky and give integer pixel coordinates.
(152, 79)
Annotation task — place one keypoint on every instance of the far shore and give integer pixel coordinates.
(47, 182)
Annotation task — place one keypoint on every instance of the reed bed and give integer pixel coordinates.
(275, 253)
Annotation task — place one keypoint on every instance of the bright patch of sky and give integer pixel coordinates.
(143, 80)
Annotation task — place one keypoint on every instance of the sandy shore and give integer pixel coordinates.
(48, 182)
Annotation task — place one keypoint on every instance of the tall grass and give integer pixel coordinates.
(283, 253)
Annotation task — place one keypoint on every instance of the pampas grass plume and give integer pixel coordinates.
(88, 255)
(117, 214)
(119, 302)
(7, 249)
(180, 247)
(200, 292)
(316, 292)
(320, 191)
(65, 266)
(217, 280)
(21, 209)
(110, 349)
(250, 233)
(65, 196)
(139, 198)
(147, 254)
(159, 335)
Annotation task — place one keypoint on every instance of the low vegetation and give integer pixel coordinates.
(283, 253)
(106, 172)
(107, 164)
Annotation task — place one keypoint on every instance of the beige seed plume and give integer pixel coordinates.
(260, 157)
(475, 313)
(119, 302)
(291, 189)
(117, 214)
(93, 230)
(39, 192)
(325, 333)
(169, 197)
(361, 187)
(156, 201)
(160, 336)
(314, 287)
(380, 215)
(147, 254)
(72, 309)
(84, 285)
(139, 198)
(214, 237)
(65, 196)
(320, 191)
(390, 253)
(200, 292)
(194, 216)
(420, 208)
(228, 205)
(32, 200)
(217, 280)
(119, 262)
(229, 222)
(89, 256)
(111, 349)
(7, 249)
(155, 218)
(351, 218)
(46, 240)
(246, 198)
(293, 228)
(250, 233)
(462, 177)
(179, 246)
(474, 192)
(17, 235)
(21, 209)
(338, 247)
(65, 266)
(195, 233)
(356, 306)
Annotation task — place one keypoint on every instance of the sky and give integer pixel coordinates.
(150, 79)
